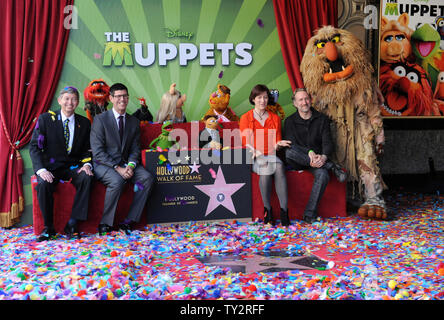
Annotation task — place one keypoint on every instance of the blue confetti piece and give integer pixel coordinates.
(138, 186)
(52, 160)
(168, 166)
(73, 167)
(221, 74)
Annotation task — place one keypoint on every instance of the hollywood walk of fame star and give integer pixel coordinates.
(220, 193)
(264, 263)
(194, 168)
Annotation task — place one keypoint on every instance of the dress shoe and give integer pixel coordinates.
(285, 220)
(104, 229)
(71, 231)
(46, 235)
(340, 174)
(125, 227)
(268, 216)
(309, 219)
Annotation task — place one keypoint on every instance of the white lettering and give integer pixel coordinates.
(207, 54)
(167, 51)
(225, 50)
(150, 57)
(187, 52)
(241, 51)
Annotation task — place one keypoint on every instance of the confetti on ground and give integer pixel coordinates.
(378, 260)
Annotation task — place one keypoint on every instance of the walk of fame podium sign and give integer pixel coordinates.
(199, 185)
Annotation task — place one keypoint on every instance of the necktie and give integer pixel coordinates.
(121, 128)
(66, 133)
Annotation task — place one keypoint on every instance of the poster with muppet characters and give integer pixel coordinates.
(411, 73)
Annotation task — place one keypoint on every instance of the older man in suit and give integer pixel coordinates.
(59, 151)
(115, 143)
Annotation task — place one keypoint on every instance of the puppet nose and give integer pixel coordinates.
(330, 51)
(404, 84)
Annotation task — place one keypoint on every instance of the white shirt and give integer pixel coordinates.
(117, 115)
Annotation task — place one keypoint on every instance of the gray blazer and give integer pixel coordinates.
(107, 150)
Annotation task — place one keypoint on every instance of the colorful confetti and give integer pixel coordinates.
(401, 259)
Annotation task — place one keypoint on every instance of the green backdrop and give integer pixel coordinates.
(210, 21)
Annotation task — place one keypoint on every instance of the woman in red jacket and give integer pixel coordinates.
(261, 133)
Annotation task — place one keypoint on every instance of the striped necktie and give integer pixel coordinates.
(66, 133)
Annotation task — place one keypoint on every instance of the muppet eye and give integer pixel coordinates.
(335, 39)
(400, 37)
(399, 71)
(441, 77)
(441, 23)
(413, 77)
(320, 44)
(388, 39)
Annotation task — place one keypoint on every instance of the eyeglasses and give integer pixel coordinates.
(123, 96)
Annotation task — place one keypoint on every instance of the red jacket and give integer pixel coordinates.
(262, 138)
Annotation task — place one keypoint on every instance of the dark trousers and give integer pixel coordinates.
(82, 183)
(114, 186)
(300, 160)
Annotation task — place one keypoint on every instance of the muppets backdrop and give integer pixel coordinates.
(147, 45)
(411, 74)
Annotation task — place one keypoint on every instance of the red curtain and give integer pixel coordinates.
(32, 50)
(296, 20)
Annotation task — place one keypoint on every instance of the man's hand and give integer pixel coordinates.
(317, 160)
(126, 173)
(87, 169)
(47, 176)
(283, 144)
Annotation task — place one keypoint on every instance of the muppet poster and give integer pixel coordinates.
(411, 73)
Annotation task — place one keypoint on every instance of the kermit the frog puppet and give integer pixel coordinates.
(163, 140)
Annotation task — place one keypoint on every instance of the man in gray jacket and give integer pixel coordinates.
(115, 144)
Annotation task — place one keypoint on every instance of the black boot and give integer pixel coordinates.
(268, 216)
(285, 220)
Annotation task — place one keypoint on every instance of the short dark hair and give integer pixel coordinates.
(117, 86)
(208, 116)
(298, 90)
(71, 90)
(257, 90)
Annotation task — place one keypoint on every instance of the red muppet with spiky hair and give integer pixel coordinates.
(96, 96)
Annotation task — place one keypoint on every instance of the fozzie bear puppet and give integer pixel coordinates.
(219, 101)
(338, 75)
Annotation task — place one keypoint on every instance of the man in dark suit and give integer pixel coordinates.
(60, 151)
(115, 143)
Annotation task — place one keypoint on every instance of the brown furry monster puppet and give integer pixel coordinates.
(96, 96)
(219, 101)
(337, 73)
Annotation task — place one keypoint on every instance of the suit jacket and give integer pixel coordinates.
(309, 134)
(47, 147)
(106, 147)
